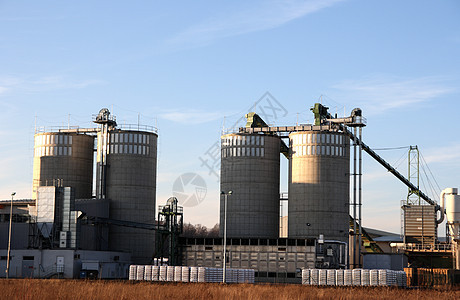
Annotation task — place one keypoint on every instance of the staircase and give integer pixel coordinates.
(51, 271)
(369, 244)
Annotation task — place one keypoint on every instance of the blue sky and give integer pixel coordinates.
(186, 66)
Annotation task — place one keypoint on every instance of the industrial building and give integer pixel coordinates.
(322, 178)
(94, 199)
(106, 218)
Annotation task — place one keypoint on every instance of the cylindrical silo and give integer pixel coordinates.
(64, 159)
(452, 206)
(131, 163)
(250, 168)
(319, 185)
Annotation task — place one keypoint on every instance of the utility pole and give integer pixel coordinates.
(9, 238)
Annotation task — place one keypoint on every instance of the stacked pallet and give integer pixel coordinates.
(356, 277)
(432, 277)
(189, 274)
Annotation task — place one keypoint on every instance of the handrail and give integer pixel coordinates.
(429, 247)
(50, 270)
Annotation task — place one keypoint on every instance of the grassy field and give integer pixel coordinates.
(79, 289)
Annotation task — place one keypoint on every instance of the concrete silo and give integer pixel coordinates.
(319, 185)
(126, 164)
(64, 159)
(250, 168)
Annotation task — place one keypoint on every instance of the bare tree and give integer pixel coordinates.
(200, 231)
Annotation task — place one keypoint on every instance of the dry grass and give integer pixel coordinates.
(80, 289)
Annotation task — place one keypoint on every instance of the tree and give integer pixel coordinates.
(200, 231)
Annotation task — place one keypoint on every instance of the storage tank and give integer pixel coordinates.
(452, 206)
(319, 185)
(64, 159)
(250, 168)
(131, 163)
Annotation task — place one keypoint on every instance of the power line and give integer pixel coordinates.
(394, 148)
(424, 161)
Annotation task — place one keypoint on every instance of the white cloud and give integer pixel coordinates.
(262, 16)
(380, 93)
(43, 83)
(446, 154)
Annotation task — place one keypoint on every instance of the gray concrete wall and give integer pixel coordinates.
(273, 262)
(319, 185)
(250, 168)
(19, 235)
(94, 236)
(45, 260)
(385, 261)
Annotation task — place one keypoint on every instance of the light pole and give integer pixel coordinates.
(9, 237)
(225, 233)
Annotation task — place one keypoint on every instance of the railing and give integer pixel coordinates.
(133, 127)
(428, 248)
(138, 127)
(51, 271)
(54, 128)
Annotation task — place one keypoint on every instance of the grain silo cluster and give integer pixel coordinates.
(94, 201)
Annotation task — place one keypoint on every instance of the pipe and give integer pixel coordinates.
(442, 209)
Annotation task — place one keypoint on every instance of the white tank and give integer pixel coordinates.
(450, 200)
(452, 204)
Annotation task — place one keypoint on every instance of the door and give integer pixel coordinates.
(28, 266)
